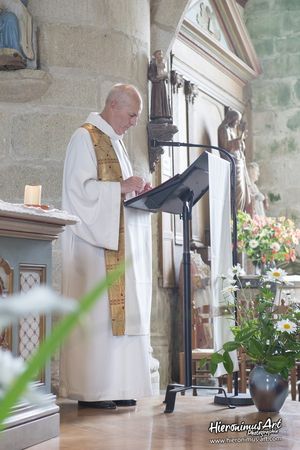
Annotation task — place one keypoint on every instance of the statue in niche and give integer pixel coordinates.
(158, 75)
(16, 46)
(161, 125)
(259, 202)
(231, 136)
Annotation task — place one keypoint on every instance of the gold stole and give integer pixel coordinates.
(108, 169)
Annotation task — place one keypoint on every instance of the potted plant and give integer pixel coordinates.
(266, 331)
(267, 240)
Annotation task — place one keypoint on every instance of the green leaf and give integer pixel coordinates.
(276, 363)
(202, 362)
(231, 346)
(215, 359)
(227, 361)
(52, 343)
(255, 348)
(244, 334)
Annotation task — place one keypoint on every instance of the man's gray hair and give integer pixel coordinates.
(121, 93)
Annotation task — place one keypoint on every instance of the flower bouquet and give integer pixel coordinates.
(267, 239)
(266, 331)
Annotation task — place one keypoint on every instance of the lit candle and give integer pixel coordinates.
(32, 195)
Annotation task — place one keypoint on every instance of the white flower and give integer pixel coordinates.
(286, 325)
(275, 275)
(248, 284)
(39, 300)
(253, 243)
(229, 289)
(275, 246)
(236, 271)
(10, 368)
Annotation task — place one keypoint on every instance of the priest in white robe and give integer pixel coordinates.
(100, 367)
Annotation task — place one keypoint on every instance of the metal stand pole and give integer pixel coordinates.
(173, 389)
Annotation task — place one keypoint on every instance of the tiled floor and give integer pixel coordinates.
(147, 427)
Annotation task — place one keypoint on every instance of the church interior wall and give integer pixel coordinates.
(275, 100)
(83, 48)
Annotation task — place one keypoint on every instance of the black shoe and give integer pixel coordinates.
(98, 405)
(124, 402)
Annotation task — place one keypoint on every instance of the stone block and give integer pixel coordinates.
(286, 5)
(293, 123)
(291, 22)
(293, 65)
(90, 12)
(281, 118)
(264, 122)
(161, 39)
(103, 14)
(23, 85)
(287, 44)
(264, 47)
(282, 94)
(297, 89)
(72, 89)
(276, 67)
(270, 94)
(264, 25)
(14, 176)
(43, 135)
(63, 46)
(257, 5)
(5, 139)
(276, 147)
(137, 13)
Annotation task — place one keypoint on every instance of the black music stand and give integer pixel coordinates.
(177, 196)
(237, 398)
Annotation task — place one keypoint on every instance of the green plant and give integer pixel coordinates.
(267, 332)
(267, 239)
(24, 374)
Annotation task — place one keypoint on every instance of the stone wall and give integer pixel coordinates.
(84, 47)
(274, 26)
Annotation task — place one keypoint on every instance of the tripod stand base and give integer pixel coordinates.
(173, 389)
(236, 400)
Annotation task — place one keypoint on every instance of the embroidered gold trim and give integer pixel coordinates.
(108, 169)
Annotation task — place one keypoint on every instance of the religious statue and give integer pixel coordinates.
(16, 46)
(259, 202)
(161, 125)
(231, 137)
(158, 75)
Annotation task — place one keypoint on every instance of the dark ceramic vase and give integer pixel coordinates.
(267, 390)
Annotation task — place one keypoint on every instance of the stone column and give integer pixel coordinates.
(84, 47)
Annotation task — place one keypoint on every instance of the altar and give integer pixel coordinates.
(26, 236)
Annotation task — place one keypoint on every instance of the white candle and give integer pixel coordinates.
(32, 195)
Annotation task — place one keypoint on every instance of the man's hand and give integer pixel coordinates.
(134, 183)
(147, 187)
